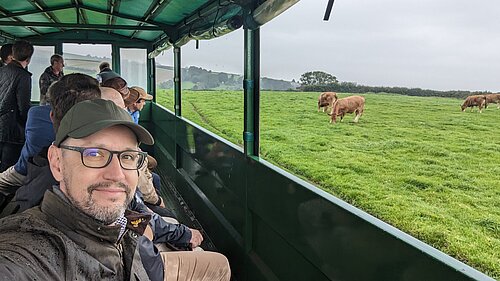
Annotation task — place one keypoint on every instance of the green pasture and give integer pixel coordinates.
(418, 163)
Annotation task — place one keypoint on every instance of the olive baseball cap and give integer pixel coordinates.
(88, 117)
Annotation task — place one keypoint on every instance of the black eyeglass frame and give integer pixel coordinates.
(110, 158)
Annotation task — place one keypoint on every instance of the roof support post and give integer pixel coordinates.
(251, 89)
(58, 49)
(177, 105)
(115, 58)
(151, 72)
(177, 81)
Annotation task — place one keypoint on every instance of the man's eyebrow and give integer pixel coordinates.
(100, 145)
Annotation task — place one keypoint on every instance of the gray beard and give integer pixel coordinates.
(107, 214)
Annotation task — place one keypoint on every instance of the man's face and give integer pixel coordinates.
(9, 59)
(101, 193)
(138, 105)
(59, 65)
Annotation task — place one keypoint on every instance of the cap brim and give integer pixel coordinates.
(148, 97)
(142, 134)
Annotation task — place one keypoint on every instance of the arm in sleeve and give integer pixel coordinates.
(16, 266)
(43, 84)
(145, 185)
(176, 234)
(23, 96)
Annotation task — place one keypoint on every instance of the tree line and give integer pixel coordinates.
(318, 81)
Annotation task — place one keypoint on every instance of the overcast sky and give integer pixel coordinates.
(431, 44)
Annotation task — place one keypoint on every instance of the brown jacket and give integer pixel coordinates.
(56, 241)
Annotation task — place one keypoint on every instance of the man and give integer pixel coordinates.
(135, 102)
(104, 67)
(52, 73)
(6, 54)
(15, 95)
(145, 184)
(170, 265)
(39, 134)
(63, 95)
(82, 229)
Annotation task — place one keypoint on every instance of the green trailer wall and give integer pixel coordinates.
(274, 226)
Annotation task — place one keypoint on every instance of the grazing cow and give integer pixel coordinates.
(326, 99)
(492, 98)
(350, 104)
(476, 100)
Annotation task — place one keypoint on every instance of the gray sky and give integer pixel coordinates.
(431, 44)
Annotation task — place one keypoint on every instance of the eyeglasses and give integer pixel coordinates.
(95, 157)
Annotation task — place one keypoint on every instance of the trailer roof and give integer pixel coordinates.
(157, 24)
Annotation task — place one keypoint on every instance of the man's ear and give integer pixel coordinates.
(55, 162)
(52, 116)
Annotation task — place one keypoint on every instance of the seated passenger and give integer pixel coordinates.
(82, 230)
(103, 67)
(61, 95)
(5, 54)
(39, 133)
(135, 102)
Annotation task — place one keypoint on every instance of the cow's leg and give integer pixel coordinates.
(358, 114)
(333, 118)
(357, 117)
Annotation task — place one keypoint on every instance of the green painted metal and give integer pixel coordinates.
(58, 48)
(155, 21)
(177, 81)
(115, 58)
(151, 72)
(298, 232)
(251, 88)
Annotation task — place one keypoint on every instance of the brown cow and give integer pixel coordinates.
(326, 99)
(350, 104)
(492, 98)
(476, 100)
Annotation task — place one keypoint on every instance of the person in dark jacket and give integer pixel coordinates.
(15, 95)
(52, 73)
(5, 54)
(40, 134)
(83, 229)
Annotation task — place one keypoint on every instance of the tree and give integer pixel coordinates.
(317, 78)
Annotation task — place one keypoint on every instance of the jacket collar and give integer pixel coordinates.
(50, 72)
(18, 64)
(64, 212)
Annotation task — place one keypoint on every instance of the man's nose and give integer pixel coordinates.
(114, 170)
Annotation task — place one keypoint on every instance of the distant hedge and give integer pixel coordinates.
(350, 87)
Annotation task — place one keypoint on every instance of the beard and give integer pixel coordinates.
(107, 214)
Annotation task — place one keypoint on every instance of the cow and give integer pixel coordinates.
(350, 104)
(476, 100)
(326, 99)
(492, 98)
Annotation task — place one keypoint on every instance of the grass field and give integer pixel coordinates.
(418, 163)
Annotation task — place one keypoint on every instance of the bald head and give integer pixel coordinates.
(112, 95)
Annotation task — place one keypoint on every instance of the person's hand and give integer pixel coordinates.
(196, 238)
(148, 232)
